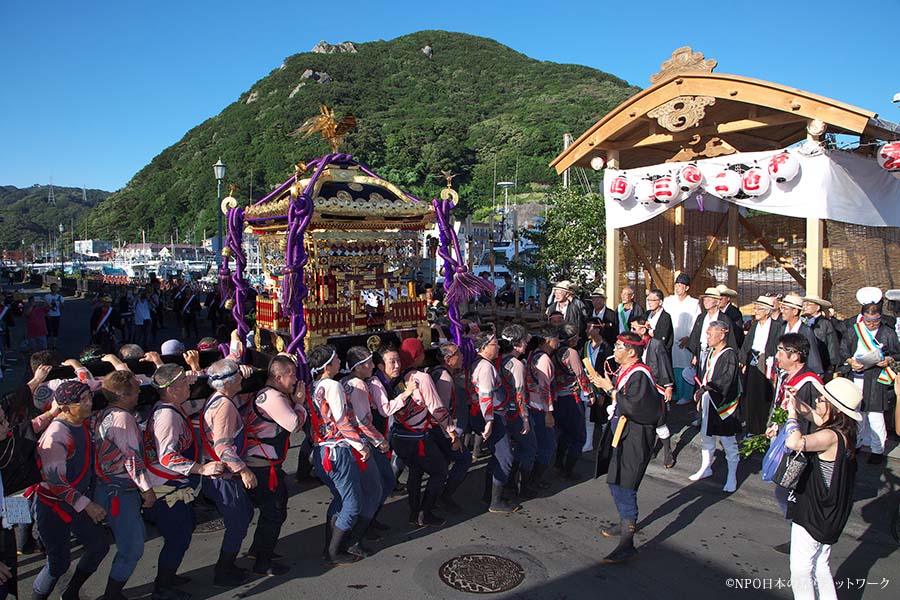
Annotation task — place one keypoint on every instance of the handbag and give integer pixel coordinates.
(604, 449)
(790, 470)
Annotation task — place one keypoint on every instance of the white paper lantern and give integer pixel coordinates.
(597, 163)
(643, 191)
(665, 190)
(783, 167)
(726, 184)
(689, 178)
(620, 188)
(889, 156)
(755, 182)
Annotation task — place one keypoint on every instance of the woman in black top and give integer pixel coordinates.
(821, 503)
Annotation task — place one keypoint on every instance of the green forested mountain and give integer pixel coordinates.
(472, 106)
(28, 217)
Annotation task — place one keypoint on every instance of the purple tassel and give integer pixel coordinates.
(466, 286)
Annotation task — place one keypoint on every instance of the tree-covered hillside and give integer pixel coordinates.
(27, 216)
(473, 106)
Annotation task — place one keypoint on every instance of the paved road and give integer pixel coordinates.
(694, 540)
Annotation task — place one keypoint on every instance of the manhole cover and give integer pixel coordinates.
(481, 573)
(210, 526)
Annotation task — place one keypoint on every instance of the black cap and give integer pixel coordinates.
(683, 278)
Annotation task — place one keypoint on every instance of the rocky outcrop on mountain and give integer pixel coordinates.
(324, 47)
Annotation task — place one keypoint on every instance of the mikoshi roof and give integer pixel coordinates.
(690, 112)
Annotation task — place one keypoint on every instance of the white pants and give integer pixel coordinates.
(810, 573)
(872, 432)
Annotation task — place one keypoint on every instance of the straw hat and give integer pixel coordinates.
(843, 395)
(599, 292)
(724, 290)
(565, 285)
(793, 301)
(816, 300)
(711, 293)
(766, 301)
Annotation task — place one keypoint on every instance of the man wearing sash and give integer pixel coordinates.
(659, 320)
(171, 455)
(449, 381)
(224, 439)
(794, 378)
(540, 376)
(595, 352)
(683, 309)
(513, 341)
(103, 320)
(123, 486)
(275, 413)
(64, 505)
(870, 350)
(635, 413)
(655, 357)
(573, 393)
(717, 398)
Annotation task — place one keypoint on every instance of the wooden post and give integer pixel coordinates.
(613, 243)
(815, 238)
(733, 247)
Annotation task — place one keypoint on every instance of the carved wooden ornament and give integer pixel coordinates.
(682, 112)
(684, 59)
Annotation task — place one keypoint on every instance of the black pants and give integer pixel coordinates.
(9, 558)
(272, 505)
(421, 455)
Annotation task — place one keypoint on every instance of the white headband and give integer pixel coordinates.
(326, 363)
(357, 363)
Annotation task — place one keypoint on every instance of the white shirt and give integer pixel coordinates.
(653, 318)
(142, 311)
(683, 313)
(707, 319)
(762, 335)
(54, 302)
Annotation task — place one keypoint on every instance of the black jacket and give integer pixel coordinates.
(611, 324)
(664, 331)
(695, 343)
(737, 318)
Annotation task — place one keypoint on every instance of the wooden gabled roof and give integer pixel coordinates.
(690, 112)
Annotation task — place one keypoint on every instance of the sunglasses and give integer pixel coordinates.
(781, 348)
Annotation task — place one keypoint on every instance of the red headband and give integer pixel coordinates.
(625, 340)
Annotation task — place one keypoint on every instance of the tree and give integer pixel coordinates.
(571, 239)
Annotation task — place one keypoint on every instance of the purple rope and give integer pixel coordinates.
(459, 284)
(234, 241)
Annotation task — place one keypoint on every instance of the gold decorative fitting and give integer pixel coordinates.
(226, 251)
(373, 343)
(228, 203)
(684, 60)
(682, 112)
(332, 130)
(229, 304)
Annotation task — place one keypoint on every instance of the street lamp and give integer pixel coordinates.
(219, 170)
(505, 185)
(59, 244)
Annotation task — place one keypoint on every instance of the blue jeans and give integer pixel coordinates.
(234, 505)
(55, 536)
(524, 446)
(569, 415)
(127, 526)
(343, 479)
(501, 461)
(461, 459)
(626, 501)
(388, 481)
(421, 455)
(544, 436)
(176, 525)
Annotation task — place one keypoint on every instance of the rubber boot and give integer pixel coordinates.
(354, 540)
(268, 566)
(336, 554)
(74, 586)
(164, 586)
(513, 477)
(625, 549)
(733, 457)
(498, 504)
(614, 530)
(114, 590)
(447, 501)
(415, 503)
(523, 485)
(537, 476)
(589, 441)
(226, 573)
(428, 518)
(329, 528)
(707, 448)
(568, 472)
(668, 459)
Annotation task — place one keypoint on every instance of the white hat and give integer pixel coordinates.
(599, 292)
(724, 290)
(793, 301)
(565, 285)
(843, 395)
(816, 300)
(868, 295)
(767, 301)
(712, 293)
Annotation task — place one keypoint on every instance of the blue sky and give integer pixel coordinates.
(92, 91)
